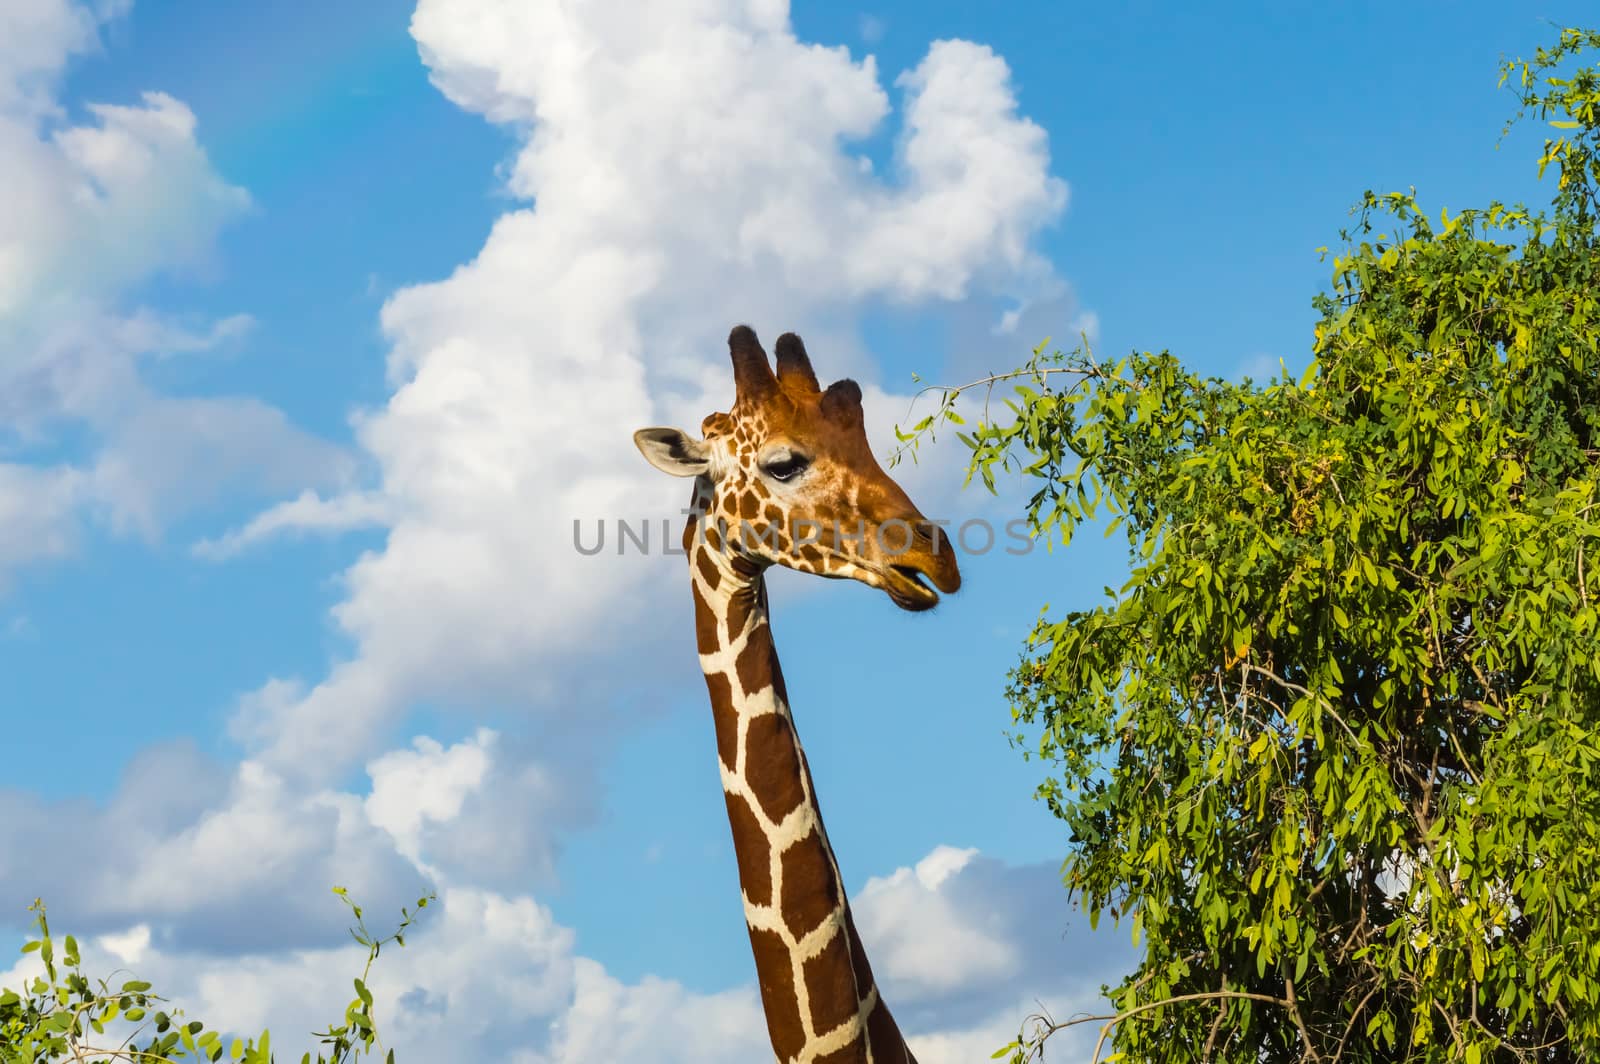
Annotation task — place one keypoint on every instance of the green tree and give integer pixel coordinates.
(62, 1015)
(1334, 748)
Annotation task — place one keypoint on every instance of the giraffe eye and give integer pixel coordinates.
(786, 465)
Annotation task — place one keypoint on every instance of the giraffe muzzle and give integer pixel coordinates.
(907, 586)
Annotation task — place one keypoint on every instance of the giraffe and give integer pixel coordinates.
(786, 477)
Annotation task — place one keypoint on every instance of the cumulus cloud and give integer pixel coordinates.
(217, 891)
(690, 165)
(486, 975)
(423, 785)
(482, 976)
(659, 1020)
(240, 858)
(92, 208)
(924, 946)
(445, 806)
(967, 947)
(686, 165)
(231, 860)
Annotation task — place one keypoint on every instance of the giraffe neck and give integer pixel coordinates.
(821, 1004)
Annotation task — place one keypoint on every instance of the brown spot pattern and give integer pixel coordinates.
(739, 607)
(751, 849)
(705, 623)
(755, 661)
(772, 765)
(725, 718)
(884, 1036)
(708, 570)
(810, 893)
(830, 988)
(858, 956)
(778, 996)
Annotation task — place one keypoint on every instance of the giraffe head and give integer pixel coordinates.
(788, 478)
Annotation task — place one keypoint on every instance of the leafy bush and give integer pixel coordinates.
(1334, 748)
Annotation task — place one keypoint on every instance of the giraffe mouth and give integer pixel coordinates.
(906, 587)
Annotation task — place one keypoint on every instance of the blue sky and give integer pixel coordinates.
(425, 277)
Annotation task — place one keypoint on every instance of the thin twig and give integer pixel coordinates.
(1299, 1021)
(996, 378)
(1112, 1021)
(1338, 1051)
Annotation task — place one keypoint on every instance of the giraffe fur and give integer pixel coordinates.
(786, 477)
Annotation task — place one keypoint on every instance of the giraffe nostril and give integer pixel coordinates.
(932, 537)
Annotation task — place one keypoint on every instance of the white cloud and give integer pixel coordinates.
(168, 456)
(240, 858)
(36, 39)
(129, 947)
(258, 838)
(924, 945)
(306, 512)
(97, 206)
(428, 783)
(486, 975)
(483, 977)
(232, 860)
(92, 208)
(941, 864)
(217, 893)
(691, 166)
(36, 506)
(966, 948)
(657, 1020)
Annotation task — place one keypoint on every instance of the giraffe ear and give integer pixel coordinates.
(673, 451)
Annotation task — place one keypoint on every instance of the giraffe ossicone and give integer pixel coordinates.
(786, 477)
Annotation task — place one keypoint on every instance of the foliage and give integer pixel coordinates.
(51, 1019)
(1334, 748)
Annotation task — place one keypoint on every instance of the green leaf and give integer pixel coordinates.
(1354, 653)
